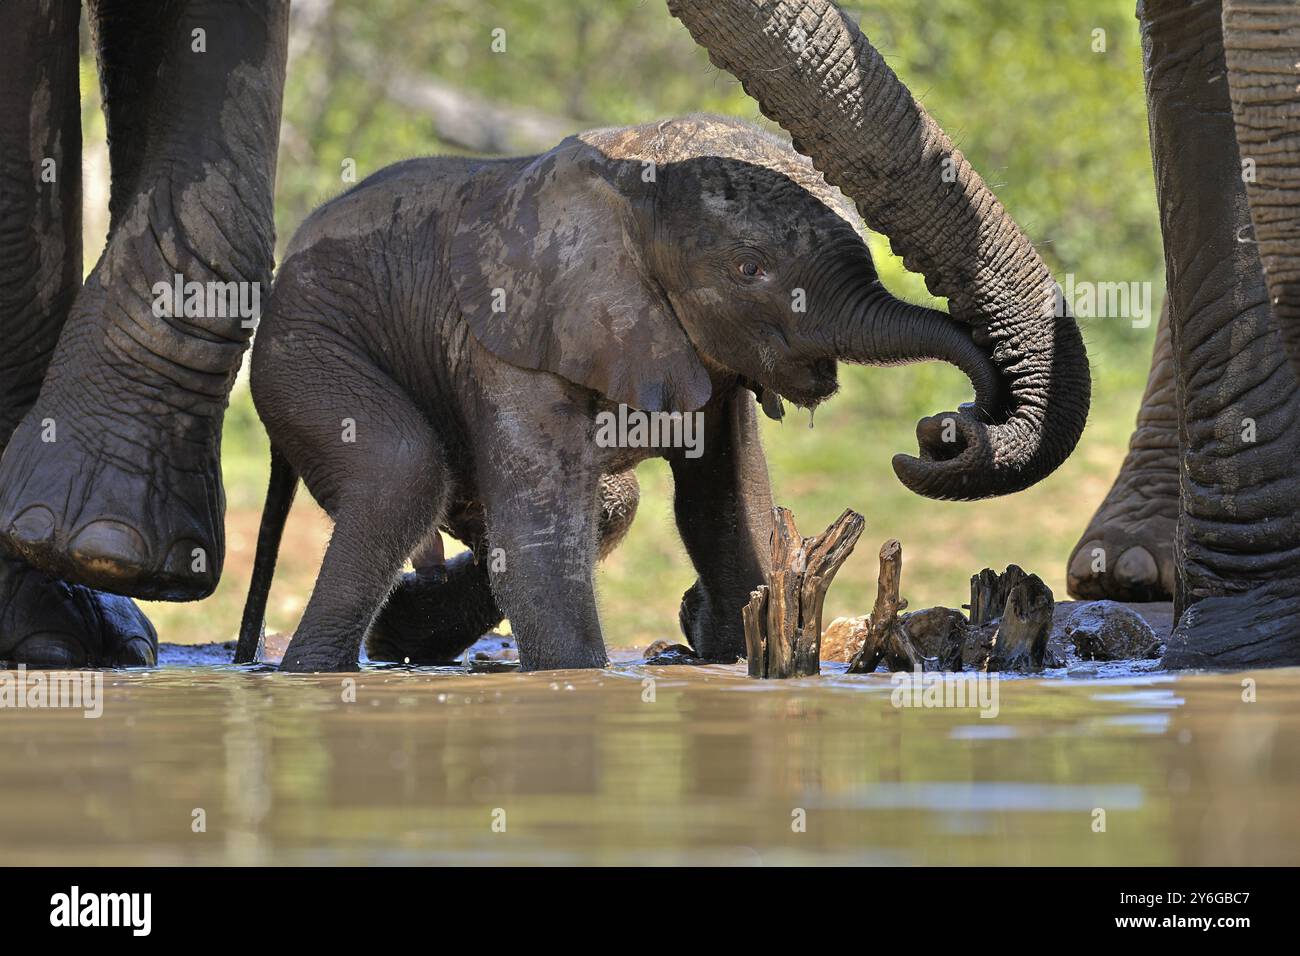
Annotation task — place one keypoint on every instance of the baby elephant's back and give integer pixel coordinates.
(393, 206)
(376, 254)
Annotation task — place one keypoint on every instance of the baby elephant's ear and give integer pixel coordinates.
(550, 272)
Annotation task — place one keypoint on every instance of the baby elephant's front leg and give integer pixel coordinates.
(542, 537)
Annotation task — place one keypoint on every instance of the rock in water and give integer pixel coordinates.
(1109, 631)
(843, 638)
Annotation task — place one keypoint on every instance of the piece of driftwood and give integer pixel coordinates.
(783, 619)
(1011, 618)
(989, 592)
(885, 639)
(754, 617)
(1020, 642)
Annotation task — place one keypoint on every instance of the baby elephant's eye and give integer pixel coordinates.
(750, 268)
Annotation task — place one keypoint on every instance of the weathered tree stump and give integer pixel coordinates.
(1020, 643)
(989, 592)
(884, 638)
(783, 619)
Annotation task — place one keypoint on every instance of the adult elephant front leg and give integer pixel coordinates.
(1237, 543)
(112, 479)
(723, 505)
(43, 621)
(540, 481)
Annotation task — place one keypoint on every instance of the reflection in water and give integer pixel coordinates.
(583, 767)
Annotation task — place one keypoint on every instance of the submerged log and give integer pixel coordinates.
(783, 619)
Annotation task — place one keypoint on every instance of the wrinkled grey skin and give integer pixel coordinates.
(1200, 513)
(668, 292)
(110, 417)
(1237, 591)
(1261, 40)
(1254, 46)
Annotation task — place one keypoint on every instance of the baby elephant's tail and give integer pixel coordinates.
(279, 499)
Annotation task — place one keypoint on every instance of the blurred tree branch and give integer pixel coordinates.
(474, 123)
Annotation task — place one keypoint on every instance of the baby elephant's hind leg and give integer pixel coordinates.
(372, 461)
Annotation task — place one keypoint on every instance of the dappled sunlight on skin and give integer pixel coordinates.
(588, 770)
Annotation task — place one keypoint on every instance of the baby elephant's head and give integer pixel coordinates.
(651, 263)
(765, 267)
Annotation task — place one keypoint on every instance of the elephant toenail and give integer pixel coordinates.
(34, 526)
(1136, 566)
(190, 559)
(110, 549)
(136, 652)
(1084, 563)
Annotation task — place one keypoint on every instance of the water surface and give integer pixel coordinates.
(701, 765)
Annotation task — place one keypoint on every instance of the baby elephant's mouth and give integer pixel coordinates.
(818, 383)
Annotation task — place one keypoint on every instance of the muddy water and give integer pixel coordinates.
(583, 767)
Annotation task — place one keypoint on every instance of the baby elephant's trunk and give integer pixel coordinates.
(878, 329)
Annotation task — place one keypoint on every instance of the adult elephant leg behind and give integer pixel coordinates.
(434, 614)
(112, 479)
(1127, 552)
(43, 621)
(1238, 543)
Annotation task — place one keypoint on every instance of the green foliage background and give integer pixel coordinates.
(1054, 124)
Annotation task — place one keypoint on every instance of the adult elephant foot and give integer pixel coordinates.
(45, 622)
(432, 619)
(113, 479)
(1259, 628)
(1127, 552)
(1133, 528)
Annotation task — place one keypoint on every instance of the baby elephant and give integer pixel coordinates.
(479, 345)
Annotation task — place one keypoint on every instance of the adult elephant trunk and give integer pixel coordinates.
(1261, 44)
(811, 70)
